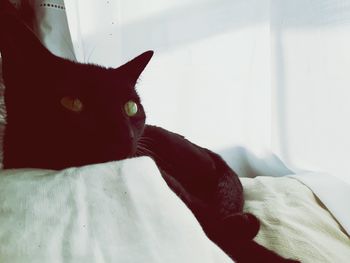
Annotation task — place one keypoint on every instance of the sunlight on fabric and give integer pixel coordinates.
(265, 74)
(310, 76)
(209, 78)
(205, 90)
(147, 9)
(316, 99)
(92, 27)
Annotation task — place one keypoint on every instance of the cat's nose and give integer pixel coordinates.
(131, 134)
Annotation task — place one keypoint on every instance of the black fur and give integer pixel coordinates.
(211, 190)
(41, 133)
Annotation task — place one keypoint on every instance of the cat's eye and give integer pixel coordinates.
(72, 104)
(130, 108)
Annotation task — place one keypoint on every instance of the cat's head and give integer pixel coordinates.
(61, 113)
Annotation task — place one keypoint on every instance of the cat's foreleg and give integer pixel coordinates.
(200, 174)
(211, 190)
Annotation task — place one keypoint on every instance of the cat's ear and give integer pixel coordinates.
(134, 67)
(7, 7)
(17, 40)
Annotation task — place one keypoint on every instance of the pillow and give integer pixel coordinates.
(294, 222)
(51, 26)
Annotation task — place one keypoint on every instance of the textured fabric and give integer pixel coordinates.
(113, 212)
(51, 26)
(294, 222)
(333, 192)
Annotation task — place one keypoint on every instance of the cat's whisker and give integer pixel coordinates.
(146, 140)
(145, 151)
(91, 53)
(150, 153)
(141, 142)
(145, 143)
(137, 154)
(140, 147)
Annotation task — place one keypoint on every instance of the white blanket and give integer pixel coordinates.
(112, 212)
(333, 192)
(294, 222)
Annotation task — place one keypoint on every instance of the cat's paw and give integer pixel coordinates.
(242, 226)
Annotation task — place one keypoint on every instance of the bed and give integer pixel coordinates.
(123, 211)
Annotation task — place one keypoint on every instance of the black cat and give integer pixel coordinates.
(62, 114)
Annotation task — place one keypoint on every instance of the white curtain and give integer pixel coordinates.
(266, 74)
